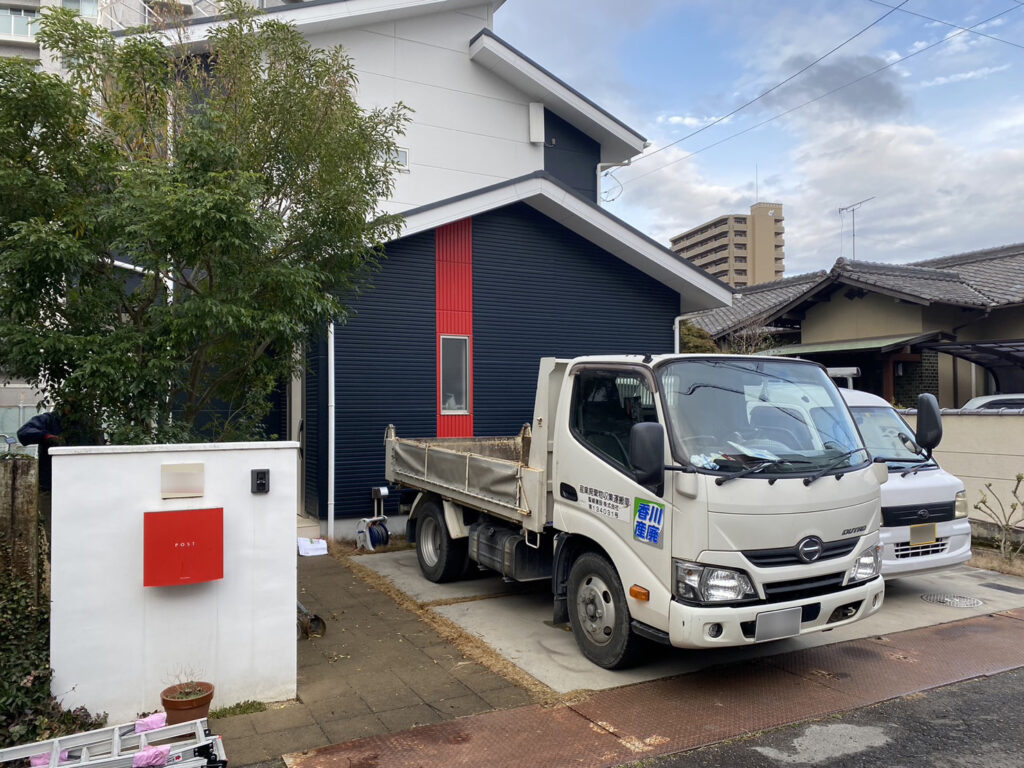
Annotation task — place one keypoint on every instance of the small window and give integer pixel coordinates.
(87, 8)
(454, 374)
(402, 159)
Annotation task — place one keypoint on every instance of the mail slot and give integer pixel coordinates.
(183, 547)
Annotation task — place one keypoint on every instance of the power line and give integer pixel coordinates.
(717, 120)
(818, 98)
(947, 23)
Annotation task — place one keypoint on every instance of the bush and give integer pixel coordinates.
(28, 712)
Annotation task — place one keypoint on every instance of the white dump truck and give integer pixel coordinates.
(687, 499)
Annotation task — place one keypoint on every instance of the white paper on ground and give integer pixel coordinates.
(312, 547)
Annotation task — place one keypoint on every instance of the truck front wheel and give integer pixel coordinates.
(441, 557)
(598, 613)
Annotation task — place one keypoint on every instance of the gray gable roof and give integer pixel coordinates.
(757, 303)
(983, 279)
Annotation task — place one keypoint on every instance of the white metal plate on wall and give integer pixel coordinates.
(182, 481)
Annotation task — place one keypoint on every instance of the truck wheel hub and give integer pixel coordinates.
(595, 610)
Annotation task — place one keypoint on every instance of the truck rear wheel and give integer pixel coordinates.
(598, 613)
(441, 557)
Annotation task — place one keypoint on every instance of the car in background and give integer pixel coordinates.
(924, 508)
(1014, 402)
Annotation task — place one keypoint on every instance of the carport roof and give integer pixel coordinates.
(878, 344)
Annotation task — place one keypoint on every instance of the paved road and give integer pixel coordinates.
(975, 723)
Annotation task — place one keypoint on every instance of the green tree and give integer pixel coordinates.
(694, 339)
(174, 223)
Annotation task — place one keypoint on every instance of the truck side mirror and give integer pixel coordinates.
(929, 422)
(647, 453)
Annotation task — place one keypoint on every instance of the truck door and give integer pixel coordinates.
(595, 491)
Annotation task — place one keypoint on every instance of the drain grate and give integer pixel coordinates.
(953, 601)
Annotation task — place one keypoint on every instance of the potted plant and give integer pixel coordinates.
(186, 700)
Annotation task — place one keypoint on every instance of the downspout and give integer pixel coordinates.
(675, 328)
(330, 431)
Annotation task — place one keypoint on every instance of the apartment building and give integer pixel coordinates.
(739, 249)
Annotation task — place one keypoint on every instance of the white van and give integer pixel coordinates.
(924, 508)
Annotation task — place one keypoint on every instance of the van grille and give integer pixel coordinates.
(912, 514)
(903, 549)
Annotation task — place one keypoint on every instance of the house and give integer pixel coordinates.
(953, 325)
(505, 257)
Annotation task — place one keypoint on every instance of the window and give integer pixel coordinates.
(741, 272)
(741, 259)
(16, 21)
(605, 406)
(84, 7)
(402, 159)
(454, 374)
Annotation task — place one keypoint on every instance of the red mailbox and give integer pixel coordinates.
(183, 547)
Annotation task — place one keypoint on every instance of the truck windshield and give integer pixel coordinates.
(726, 414)
(886, 434)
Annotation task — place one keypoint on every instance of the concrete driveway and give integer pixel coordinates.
(515, 620)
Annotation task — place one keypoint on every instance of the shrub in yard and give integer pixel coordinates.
(1006, 517)
(28, 712)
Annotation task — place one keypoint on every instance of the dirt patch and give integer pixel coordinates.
(473, 648)
(347, 547)
(991, 560)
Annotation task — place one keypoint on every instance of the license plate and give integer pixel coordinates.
(774, 625)
(922, 534)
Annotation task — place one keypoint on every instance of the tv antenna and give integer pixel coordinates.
(852, 208)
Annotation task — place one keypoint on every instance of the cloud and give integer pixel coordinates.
(959, 77)
(879, 96)
(688, 121)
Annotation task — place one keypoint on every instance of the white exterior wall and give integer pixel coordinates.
(469, 128)
(114, 644)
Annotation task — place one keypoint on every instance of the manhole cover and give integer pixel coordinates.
(953, 601)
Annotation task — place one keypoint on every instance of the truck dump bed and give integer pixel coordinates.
(491, 474)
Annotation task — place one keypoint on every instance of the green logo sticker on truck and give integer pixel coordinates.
(648, 517)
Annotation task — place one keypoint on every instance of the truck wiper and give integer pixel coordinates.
(835, 463)
(764, 464)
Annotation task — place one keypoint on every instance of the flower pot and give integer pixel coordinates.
(181, 706)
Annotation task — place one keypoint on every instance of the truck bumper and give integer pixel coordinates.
(952, 546)
(692, 627)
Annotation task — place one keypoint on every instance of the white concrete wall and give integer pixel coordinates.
(981, 448)
(115, 644)
(469, 128)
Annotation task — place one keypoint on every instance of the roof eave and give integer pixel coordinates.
(618, 141)
(594, 224)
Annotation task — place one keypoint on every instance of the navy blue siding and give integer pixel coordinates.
(384, 369)
(570, 155)
(541, 290)
(314, 429)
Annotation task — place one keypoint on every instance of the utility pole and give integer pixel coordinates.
(852, 208)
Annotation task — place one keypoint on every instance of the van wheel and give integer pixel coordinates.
(441, 557)
(598, 613)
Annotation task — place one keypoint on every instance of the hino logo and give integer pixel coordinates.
(922, 514)
(809, 549)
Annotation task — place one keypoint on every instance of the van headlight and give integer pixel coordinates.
(696, 583)
(866, 566)
(960, 507)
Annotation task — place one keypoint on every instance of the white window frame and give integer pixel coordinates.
(443, 410)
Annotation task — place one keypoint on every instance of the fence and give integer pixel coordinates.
(19, 520)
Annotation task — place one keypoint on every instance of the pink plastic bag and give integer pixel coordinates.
(45, 758)
(151, 757)
(157, 720)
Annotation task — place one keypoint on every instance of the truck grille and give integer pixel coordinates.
(903, 549)
(772, 558)
(912, 514)
(800, 589)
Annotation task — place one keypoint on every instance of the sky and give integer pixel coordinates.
(936, 139)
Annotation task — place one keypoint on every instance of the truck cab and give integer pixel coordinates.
(925, 527)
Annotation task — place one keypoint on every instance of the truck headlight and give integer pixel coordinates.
(960, 508)
(697, 583)
(867, 565)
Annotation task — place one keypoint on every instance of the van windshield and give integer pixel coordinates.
(730, 414)
(886, 434)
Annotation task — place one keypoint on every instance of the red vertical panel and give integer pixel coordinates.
(454, 303)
